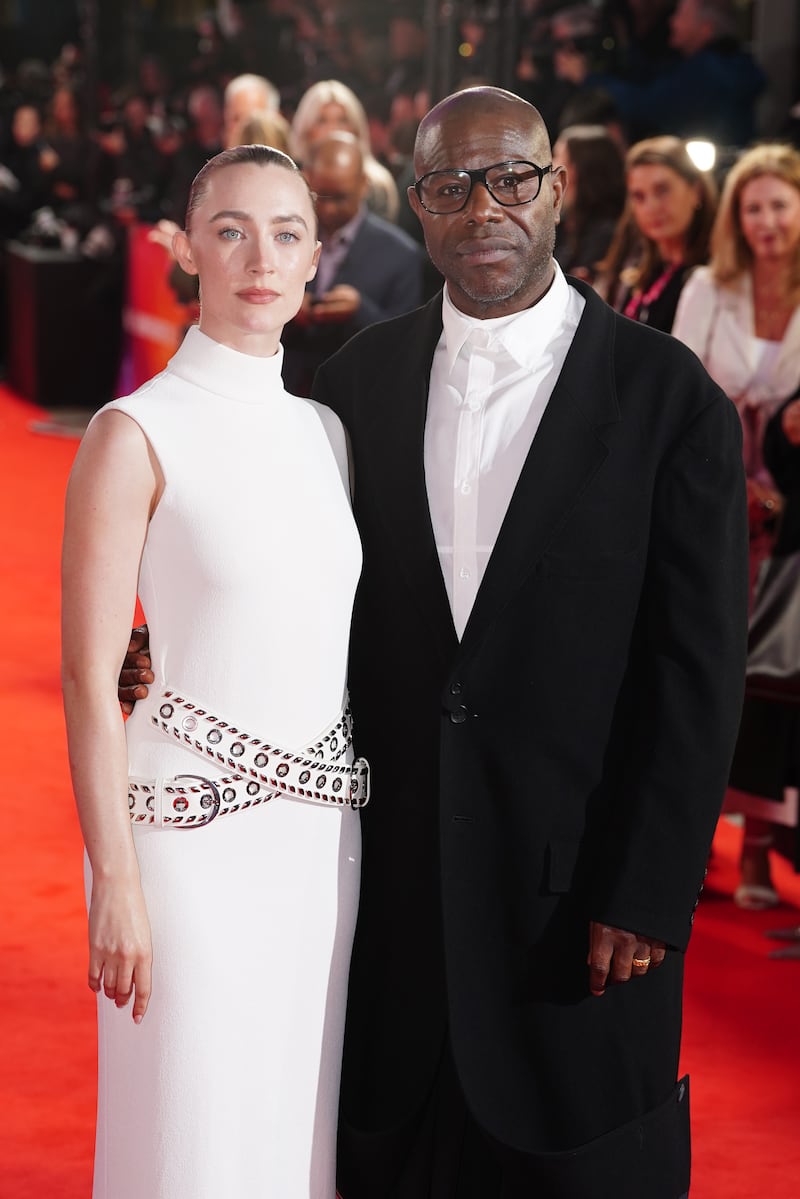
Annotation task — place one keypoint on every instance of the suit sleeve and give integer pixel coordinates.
(681, 703)
(398, 292)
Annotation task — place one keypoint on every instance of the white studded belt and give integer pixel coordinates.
(259, 771)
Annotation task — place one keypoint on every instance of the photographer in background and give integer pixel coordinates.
(711, 91)
(544, 77)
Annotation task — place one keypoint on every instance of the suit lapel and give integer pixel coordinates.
(565, 453)
(394, 442)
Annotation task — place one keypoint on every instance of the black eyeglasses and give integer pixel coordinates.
(509, 183)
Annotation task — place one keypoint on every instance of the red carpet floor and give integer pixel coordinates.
(742, 1030)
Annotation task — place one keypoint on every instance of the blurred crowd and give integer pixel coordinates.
(639, 96)
(128, 150)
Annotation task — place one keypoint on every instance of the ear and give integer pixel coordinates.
(182, 249)
(312, 270)
(416, 205)
(558, 177)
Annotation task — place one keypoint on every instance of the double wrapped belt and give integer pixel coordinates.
(257, 770)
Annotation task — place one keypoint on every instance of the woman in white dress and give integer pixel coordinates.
(741, 316)
(221, 825)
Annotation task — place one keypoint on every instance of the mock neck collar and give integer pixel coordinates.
(214, 367)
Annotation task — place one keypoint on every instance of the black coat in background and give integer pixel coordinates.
(565, 761)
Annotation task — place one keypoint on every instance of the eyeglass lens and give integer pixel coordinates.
(510, 183)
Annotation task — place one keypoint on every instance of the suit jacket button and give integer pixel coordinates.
(459, 714)
(456, 688)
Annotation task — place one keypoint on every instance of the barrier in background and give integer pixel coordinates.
(64, 325)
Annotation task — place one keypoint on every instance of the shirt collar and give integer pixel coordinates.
(523, 335)
(344, 236)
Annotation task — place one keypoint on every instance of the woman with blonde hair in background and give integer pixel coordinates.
(265, 128)
(741, 316)
(662, 234)
(330, 105)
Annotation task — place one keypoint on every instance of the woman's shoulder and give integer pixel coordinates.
(702, 281)
(699, 280)
(145, 407)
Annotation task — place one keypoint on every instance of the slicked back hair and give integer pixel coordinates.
(262, 156)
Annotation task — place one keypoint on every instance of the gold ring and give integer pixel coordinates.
(642, 962)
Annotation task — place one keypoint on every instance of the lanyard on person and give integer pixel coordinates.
(638, 306)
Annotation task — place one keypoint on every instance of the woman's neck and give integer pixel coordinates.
(772, 279)
(671, 251)
(773, 304)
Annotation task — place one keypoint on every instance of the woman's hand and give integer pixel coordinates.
(120, 948)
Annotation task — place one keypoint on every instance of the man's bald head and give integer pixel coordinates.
(335, 171)
(337, 150)
(482, 102)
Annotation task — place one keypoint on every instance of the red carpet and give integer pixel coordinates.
(742, 1033)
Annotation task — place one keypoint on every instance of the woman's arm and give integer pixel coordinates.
(113, 489)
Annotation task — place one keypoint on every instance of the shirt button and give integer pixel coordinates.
(459, 715)
(466, 488)
(456, 688)
(464, 573)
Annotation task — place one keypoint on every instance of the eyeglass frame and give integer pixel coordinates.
(478, 175)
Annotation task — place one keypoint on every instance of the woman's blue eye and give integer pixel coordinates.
(230, 234)
(287, 236)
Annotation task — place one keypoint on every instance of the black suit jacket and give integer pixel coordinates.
(386, 266)
(564, 762)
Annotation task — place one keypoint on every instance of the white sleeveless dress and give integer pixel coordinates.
(229, 1087)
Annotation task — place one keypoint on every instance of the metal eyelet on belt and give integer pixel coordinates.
(213, 810)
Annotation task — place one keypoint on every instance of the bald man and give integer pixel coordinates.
(546, 675)
(547, 664)
(369, 270)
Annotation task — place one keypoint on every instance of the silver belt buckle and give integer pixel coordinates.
(213, 808)
(359, 783)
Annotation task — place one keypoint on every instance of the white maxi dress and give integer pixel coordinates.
(229, 1088)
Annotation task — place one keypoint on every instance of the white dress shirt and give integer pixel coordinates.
(490, 383)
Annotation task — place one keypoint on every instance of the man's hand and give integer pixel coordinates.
(790, 422)
(615, 956)
(764, 505)
(339, 304)
(162, 235)
(136, 672)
